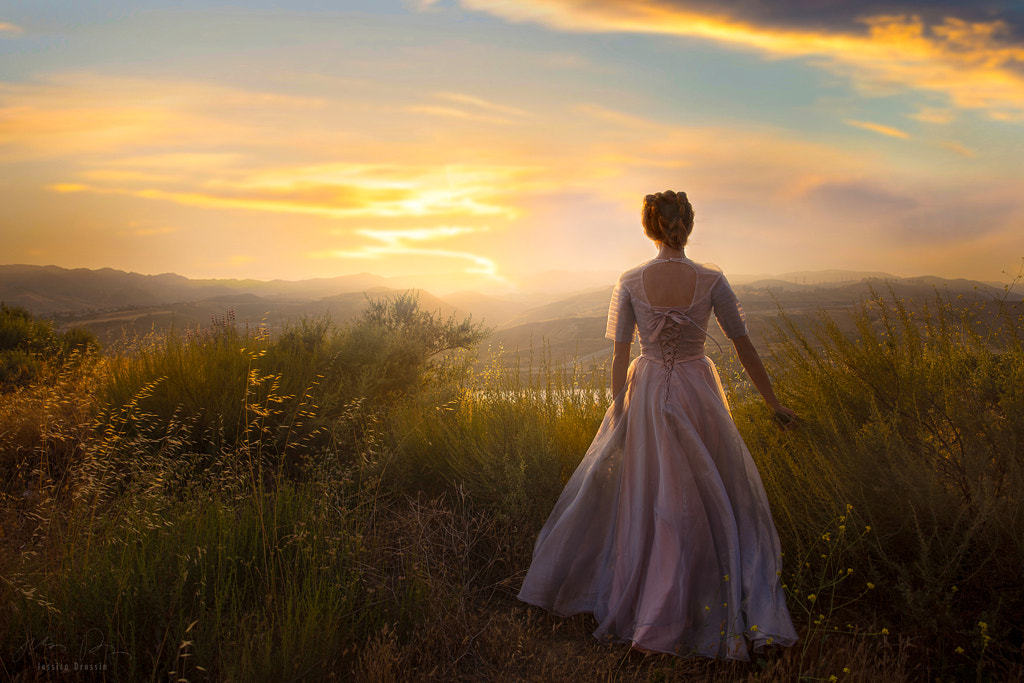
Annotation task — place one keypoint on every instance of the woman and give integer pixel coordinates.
(663, 532)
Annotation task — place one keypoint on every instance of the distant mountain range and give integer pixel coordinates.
(114, 303)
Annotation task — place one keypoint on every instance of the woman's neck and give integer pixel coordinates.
(665, 251)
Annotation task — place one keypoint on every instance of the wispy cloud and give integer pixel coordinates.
(975, 64)
(6, 27)
(937, 115)
(878, 128)
(329, 201)
(481, 103)
(409, 242)
(959, 148)
(472, 108)
(452, 112)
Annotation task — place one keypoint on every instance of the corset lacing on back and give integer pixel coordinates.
(665, 327)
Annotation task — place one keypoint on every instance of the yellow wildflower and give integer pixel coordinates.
(870, 585)
(846, 669)
(754, 627)
(885, 631)
(812, 597)
(868, 528)
(959, 650)
(833, 678)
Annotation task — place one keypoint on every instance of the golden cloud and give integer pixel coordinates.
(959, 148)
(329, 201)
(72, 114)
(481, 103)
(878, 128)
(396, 243)
(970, 63)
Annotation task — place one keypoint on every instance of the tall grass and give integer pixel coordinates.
(911, 433)
(353, 501)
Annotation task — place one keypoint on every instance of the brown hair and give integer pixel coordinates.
(668, 218)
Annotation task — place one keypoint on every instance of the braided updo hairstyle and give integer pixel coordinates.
(668, 218)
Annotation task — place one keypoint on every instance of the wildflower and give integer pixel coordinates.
(959, 650)
(954, 589)
(725, 604)
(833, 678)
(754, 627)
(849, 570)
(842, 527)
(848, 508)
(706, 608)
(846, 669)
(870, 585)
(779, 573)
(842, 518)
(725, 578)
(867, 529)
(812, 597)
(826, 536)
(770, 640)
(885, 631)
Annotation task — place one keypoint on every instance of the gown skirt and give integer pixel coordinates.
(663, 533)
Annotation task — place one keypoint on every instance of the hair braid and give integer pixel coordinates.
(668, 218)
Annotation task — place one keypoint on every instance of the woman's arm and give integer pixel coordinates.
(620, 364)
(759, 376)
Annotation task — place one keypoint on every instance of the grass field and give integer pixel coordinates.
(358, 503)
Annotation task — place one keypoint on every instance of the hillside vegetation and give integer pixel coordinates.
(357, 502)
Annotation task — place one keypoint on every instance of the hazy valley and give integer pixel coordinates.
(118, 306)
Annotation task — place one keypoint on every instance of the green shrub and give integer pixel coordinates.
(28, 344)
(225, 392)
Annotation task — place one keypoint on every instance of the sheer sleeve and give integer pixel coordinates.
(727, 309)
(621, 319)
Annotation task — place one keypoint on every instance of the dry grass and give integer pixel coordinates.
(339, 524)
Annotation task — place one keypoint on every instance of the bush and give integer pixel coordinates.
(28, 344)
(225, 392)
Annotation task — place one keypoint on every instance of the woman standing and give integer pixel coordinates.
(663, 532)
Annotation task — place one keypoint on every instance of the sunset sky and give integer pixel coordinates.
(479, 142)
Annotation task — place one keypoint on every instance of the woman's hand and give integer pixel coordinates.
(785, 418)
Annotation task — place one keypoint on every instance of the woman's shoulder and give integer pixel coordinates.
(630, 277)
(709, 269)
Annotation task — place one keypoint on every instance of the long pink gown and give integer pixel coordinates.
(663, 532)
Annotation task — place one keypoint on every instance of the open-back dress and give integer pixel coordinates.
(663, 532)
